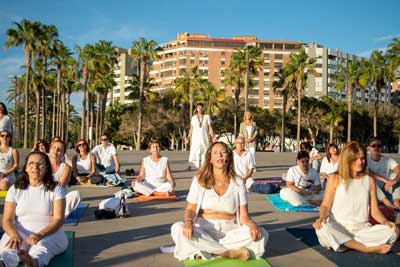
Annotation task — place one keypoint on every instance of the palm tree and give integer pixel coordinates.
(333, 116)
(14, 94)
(144, 52)
(298, 66)
(25, 33)
(379, 73)
(348, 78)
(287, 89)
(253, 62)
(393, 54)
(189, 85)
(212, 98)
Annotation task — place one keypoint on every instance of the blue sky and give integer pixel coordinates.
(355, 26)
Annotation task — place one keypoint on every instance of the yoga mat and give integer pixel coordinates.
(221, 262)
(74, 217)
(66, 258)
(283, 205)
(349, 258)
(3, 193)
(268, 180)
(143, 198)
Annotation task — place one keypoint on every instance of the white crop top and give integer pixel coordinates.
(212, 201)
(83, 165)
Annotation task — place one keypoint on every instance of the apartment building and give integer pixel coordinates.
(123, 73)
(213, 56)
(327, 64)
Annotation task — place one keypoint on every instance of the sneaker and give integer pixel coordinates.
(122, 207)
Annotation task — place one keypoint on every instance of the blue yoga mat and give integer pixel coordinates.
(74, 217)
(283, 205)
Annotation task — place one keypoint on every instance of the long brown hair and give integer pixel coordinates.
(347, 156)
(328, 153)
(206, 173)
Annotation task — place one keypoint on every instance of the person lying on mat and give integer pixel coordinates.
(217, 222)
(83, 164)
(349, 198)
(62, 174)
(33, 216)
(303, 185)
(9, 160)
(155, 176)
(106, 156)
(243, 162)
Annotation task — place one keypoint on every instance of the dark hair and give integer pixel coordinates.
(22, 181)
(373, 139)
(206, 173)
(9, 139)
(302, 155)
(305, 146)
(199, 104)
(77, 146)
(154, 141)
(328, 153)
(104, 134)
(5, 108)
(44, 143)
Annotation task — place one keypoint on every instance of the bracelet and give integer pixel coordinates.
(188, 220)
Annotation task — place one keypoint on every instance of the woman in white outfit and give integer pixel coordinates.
(5, 122)
(33, 216)
(155, 176)
(349, 197)
(303, 186)
(248, 129)
(9, 160)
(62, 174)
(83, 164)
(201, 136)
(330, 163)
(217, 222)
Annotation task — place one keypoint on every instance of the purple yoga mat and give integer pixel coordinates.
(272, 180)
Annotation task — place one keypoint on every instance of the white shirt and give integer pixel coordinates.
(301, 180)
(383, 167)
(328, 167)
(83, 165)
(6, 124)
(200, 135)
(34, 208)
(155, 172)
(212, 201)
(243, 163)
(104, 155)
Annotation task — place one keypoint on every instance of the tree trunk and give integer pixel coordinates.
(331, 132)
(349, 110)
(26, 89)
(53, 123)
(91, 107)
(376, 100)
(84, 89)
(298, 118)
(140, 113)
(67, 118)
(98, 107)
(37, 94)
(283, 123)
(43, 93)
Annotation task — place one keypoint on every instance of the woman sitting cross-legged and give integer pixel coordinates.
(155, 177)
(33, 216)
(9, 160)
(350, 195)
(83, 164)
(217, 222)
(303, 185)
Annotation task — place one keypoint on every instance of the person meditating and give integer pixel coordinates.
(349, 197)
(217, 222)
(303, 185)
(33, 216)
(155, 176)
(83, 164)
(62, 174)
(330, 163)
(9, 160)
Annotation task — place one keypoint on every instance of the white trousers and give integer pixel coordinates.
(72, 199)
(147, 188)
(296, 199)
(197, 155)
(43, 251)
(394, 191)
(334, 235)
(214, 237)
(252, 151)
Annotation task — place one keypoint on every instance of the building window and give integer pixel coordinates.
(278, 56)
(182, 61)
(278, 65)
(203, 72)
(278, 46)
(222, 53)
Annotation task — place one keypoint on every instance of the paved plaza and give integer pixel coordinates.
(136, 240)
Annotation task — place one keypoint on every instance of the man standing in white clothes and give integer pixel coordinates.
(244, 162)
(303, 185)
(106, 156)
(386, 172)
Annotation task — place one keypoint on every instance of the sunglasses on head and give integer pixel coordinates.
(376, 145)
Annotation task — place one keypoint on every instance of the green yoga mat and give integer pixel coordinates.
(220, 262)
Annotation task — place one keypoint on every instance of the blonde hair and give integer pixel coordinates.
(247, 112)
(348, 155)
(206, 173)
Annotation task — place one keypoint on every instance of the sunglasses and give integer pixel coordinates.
(5, 136)
(82, 144)
(376, 145)
(104, 139)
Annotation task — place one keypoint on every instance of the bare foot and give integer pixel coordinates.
(382, 249)
(240, 254)
(27, 259)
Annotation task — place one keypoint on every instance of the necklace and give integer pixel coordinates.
(200, 121)
(220, 183)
